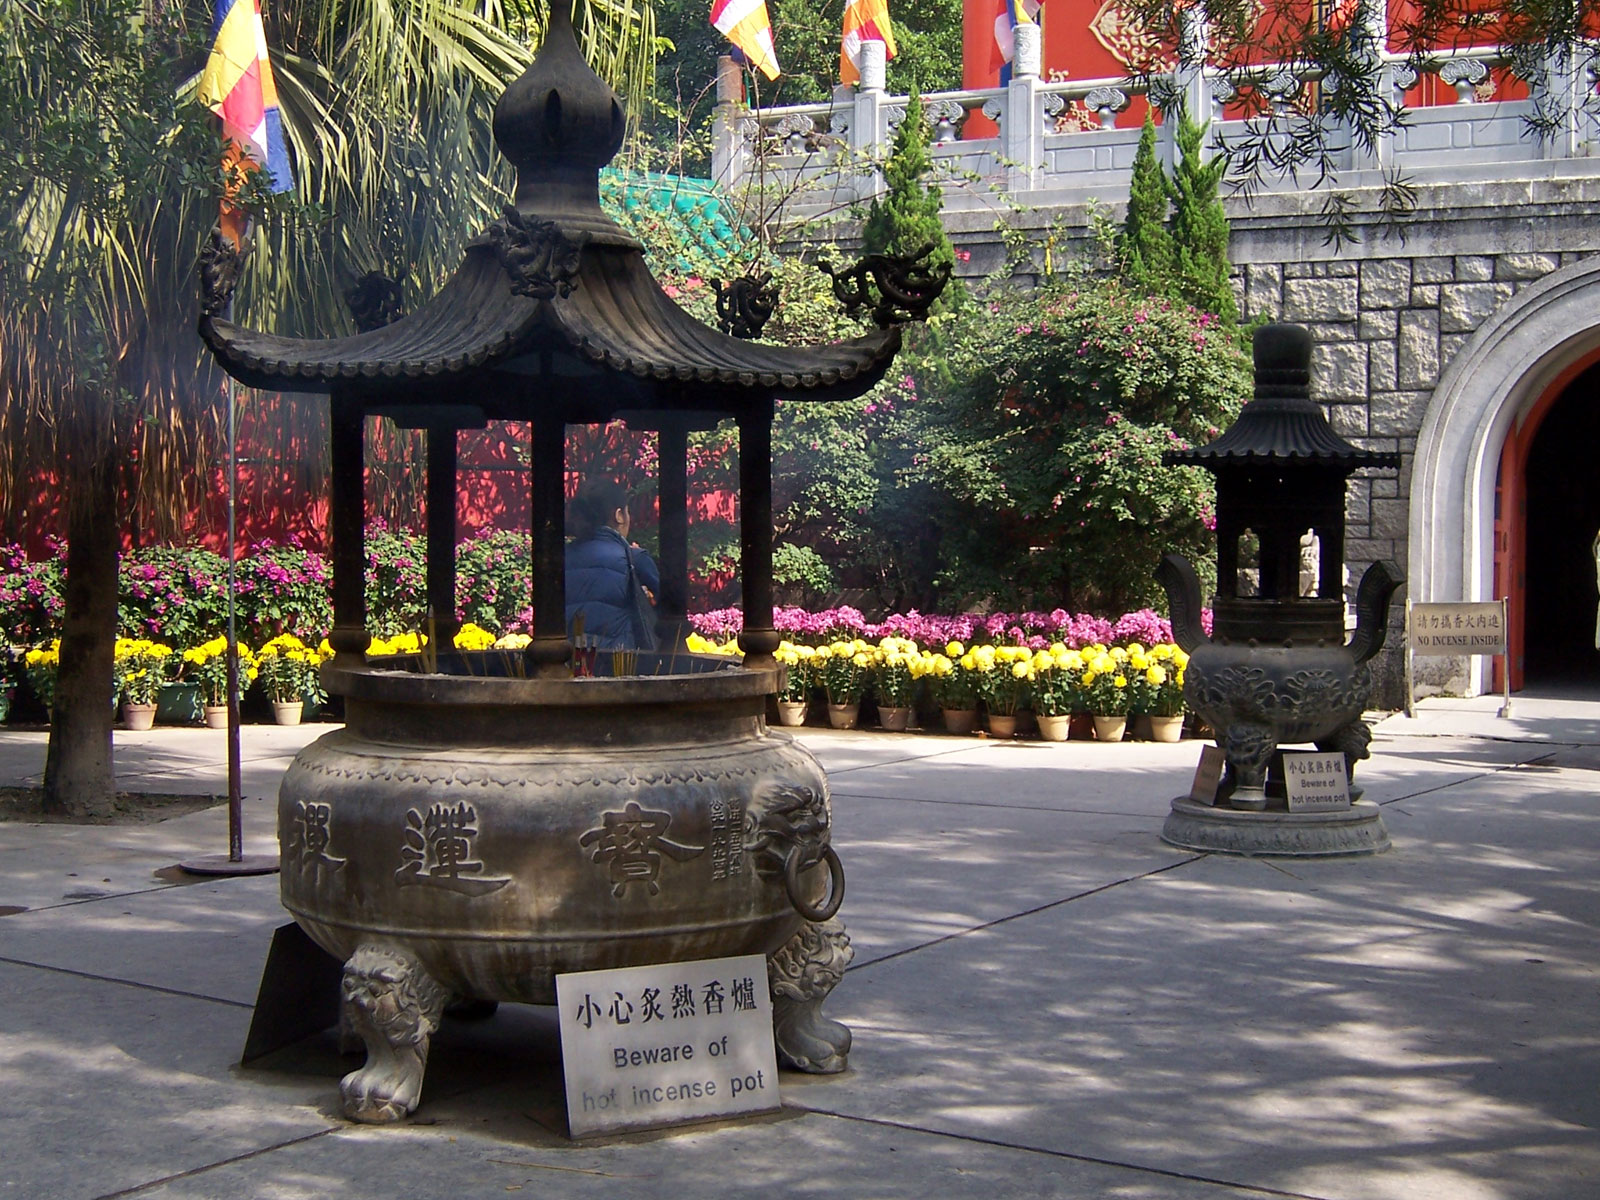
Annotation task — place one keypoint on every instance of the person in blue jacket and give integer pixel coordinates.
(597, 567)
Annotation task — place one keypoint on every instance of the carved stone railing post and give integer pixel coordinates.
(1372, 28)
(869, 132)
(1022, 133)
(1194, 48)
(1464, 74)
(1563, 95)
(1187, 89)
(730, 144)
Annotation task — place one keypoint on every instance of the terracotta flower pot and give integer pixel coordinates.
(791, 712)
(1166, 729)
(960, 720)
(138, 717)
(1003, 725)
(1054, 729)
(288, 712)
(844, 716)
(216, 716)
(894, 718)
(1110, 729)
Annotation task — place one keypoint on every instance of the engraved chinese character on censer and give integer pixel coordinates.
(438, 852)
(727, 839)
(308, 836)
(632, 842)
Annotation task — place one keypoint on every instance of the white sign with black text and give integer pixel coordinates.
(643, 1047)
(1315, 781)
(1478, 628)
(1208, 775)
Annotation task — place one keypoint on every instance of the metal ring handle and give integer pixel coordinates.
(835, 897)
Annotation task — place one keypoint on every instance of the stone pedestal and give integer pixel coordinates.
(1354, 830)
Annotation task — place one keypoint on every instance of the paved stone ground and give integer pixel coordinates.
(1047, 1001)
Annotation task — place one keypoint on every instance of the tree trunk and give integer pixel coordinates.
(78, 778)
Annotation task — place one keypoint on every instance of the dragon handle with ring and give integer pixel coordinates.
(794, 864)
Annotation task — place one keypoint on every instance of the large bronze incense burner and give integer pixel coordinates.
(473, 832)
(1277, 669)
(466, 839)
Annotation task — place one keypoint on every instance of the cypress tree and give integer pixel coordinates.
(1200, 227)
(906, 217)
(1146, 249)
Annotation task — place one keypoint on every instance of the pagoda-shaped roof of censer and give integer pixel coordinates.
(555, 290)
(1282, 425)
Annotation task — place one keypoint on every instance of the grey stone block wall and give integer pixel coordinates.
(1387, 312)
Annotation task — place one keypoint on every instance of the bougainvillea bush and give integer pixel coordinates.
(30, 598)
(175, 594)
(1044, 453)
(494, 578)
(1033, 629)
(283, 590)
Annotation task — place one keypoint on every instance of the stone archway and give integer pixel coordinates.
(1516, 357)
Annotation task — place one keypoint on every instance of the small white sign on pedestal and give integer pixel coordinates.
(1208, 775)
(643, 1047)
(1315, 781)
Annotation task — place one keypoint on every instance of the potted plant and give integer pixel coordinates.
(40, 665)
(894, 681)
(1055, 690)
(287, 668)
(844, 674)
(1158, 690)
(956, 677)
(141, 669)
(207, 665)
(798, 680)
(1105, 688)
(1004, 685)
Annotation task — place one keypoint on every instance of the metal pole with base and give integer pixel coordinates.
(1411, 703)
(1505, 661)
(235, 862)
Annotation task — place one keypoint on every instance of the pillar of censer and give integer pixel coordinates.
(549, 652)
(672, 490)
(758, 639)
(1276, 669)
(442, 533)
(347, 521)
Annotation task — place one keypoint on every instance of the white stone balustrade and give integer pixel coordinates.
(1054, 139)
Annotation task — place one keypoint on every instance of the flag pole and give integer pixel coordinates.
(236, 862)
(247, 102)
(235, 800)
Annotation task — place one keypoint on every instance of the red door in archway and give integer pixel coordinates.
(1511, 519)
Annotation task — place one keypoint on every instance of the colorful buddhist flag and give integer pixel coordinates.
(1012, 13)
(864, 21)
(237, 85)
(746, 25)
